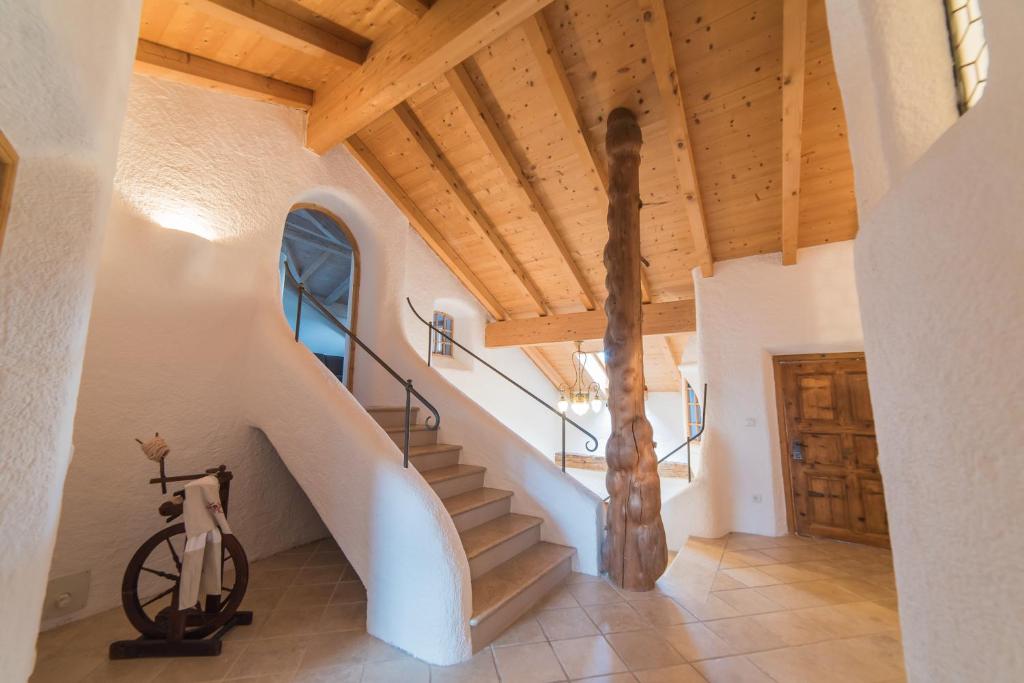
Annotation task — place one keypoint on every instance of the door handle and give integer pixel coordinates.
(797, 450)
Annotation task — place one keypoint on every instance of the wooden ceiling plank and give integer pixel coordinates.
(477, 218)
(490, 132)
(538, 35)
(663, 59)
(166, 62)
(286, 29)
(794, 48)
(427, 230)
(667, 317)
(416, 7)
(447, 34)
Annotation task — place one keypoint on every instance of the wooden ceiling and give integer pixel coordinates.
(484, 121)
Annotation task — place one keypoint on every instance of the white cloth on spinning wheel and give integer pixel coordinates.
(204, 522)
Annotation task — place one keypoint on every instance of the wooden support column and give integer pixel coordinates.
(635, 553)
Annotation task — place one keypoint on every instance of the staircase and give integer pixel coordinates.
(510, 567)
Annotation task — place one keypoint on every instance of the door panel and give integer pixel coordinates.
(830, 448)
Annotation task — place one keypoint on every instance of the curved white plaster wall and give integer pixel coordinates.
(753, 309)
(64, 72)
(939, 263)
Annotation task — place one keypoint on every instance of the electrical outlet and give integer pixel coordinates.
(751, 422)
(66, 594)
(757, 498)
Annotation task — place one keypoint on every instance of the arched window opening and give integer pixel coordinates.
(320, 252)
(970, 51)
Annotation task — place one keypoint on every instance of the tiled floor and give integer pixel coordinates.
(741, 608)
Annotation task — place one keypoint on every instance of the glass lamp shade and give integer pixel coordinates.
(563, 404)
(580, 405)
(596, 404)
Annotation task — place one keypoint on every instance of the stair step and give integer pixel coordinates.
(478, 507)
(434, 456)
(419, 435)
(508, 591)
(499, 540)
(456, 479)
(392, 416)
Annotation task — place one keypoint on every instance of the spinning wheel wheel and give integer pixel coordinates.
(149, 591)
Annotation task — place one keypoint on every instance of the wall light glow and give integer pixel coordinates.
(184, 219)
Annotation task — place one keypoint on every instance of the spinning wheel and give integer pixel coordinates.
(149, 592)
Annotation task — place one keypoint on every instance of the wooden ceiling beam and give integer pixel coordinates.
(663, 61)
(286, 28)
(667, 317)
(416, 7)
(427, 230)
(794, 48)
(490, 132)
(166, 62)
(448, 33)
(474, 213)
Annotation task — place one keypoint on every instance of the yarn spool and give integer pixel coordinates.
(156, 449)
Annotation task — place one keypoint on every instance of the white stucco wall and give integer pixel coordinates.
(753, 309)
(939, 260)
(64, 70)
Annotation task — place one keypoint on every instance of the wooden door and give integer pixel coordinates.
(829, 450)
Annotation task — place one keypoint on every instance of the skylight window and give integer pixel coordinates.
(970, 51)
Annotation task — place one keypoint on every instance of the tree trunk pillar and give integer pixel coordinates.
(634, 552)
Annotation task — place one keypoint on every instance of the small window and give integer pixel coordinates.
(8, 164)
(970, 51)
(442, 345)
(693, 416)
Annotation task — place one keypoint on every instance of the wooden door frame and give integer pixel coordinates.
(8, 170)
(356, 276)
(780, 409)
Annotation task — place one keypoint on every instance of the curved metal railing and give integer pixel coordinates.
(591, 443)
(433, 421)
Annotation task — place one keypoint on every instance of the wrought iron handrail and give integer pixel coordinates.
(689, 440)
(590, 444)
(407, 383)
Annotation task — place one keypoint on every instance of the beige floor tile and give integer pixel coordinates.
(585, 657)
(865, 589)
(200, 669)
(748, 601)
(307, 596)
(745, 634)
(644, 650)
(791, 573)
(269, 656)
(348, 591)
(263, 600)
(326, 558)
(596, 593)
(712, 607)
(126, 670)
(696, 641)
(807, 594)
(681, 673)
(724, 582)
(745, 558)
(343, 617)
(870, 659)
(379, 651)
(66, 668)
(329, 650)
(531, 663)
(795, 627)
(796, 554)
(260, 578)
(556, 599)
(314, 575)
(750, 577)
(662, 611)
(616, 617)
(577, 577)
(343, 673)
(560, 624)
(480, 669)
(526, 630)
(731, 670)
(281, 561)
(404, 670)
(292, 622)
(624, 677)
(853, 619)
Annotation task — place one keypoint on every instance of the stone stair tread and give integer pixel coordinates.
(432, 448)
(464, 502)
(504, 582)
(394, 408)
(482, 538)
(452, 472)
(401, 428)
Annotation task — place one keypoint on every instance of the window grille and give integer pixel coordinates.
(693, 417)
(442, 346)
(970, 51)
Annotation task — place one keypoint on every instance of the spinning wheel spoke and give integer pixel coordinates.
(177, 560)
(169, 577)
(158, 596)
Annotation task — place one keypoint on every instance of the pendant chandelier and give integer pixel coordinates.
(581, 396)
